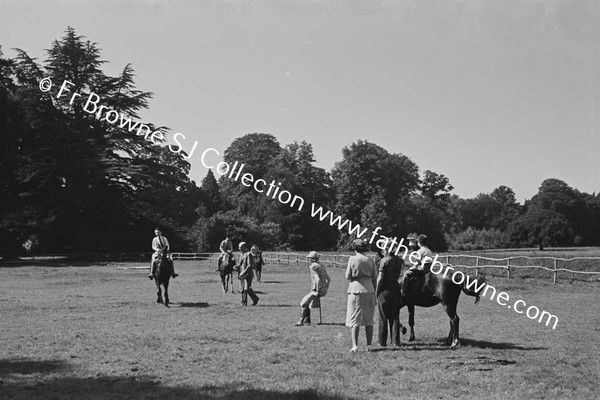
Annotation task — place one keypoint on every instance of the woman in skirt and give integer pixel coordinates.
(362, 274)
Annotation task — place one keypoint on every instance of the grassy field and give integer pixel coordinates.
(95, 332)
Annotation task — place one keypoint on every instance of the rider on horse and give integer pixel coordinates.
(423, 252)
(226, 248)
(160, 243)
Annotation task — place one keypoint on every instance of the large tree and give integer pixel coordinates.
(78, 182)
(372, 187)
(270, 223)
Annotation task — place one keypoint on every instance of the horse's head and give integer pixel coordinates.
(162, 253)
(230, 259)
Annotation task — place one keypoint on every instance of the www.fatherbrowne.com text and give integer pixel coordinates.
(275, 191)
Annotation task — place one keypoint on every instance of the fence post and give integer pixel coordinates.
(278, 260)
(508, 269)
(554, 280)
(476, 269)
(447, 259)
(297, 260)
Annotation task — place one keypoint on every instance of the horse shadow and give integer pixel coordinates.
(29, 367)
(278, 305)
(480, 344)
(192, 305)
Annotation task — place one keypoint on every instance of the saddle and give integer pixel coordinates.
(167, 260)
(420, 278)
(226, 264)
(417, 273)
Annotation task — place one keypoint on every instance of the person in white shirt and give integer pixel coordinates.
(226, 248)
(158, 243)
(319, 286)
(424, 252)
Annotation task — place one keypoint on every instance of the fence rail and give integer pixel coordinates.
(517, 265)
(589, 266)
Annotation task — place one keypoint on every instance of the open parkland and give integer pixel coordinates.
(92, 330)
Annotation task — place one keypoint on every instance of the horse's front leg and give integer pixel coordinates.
(411, 321)
(224, 283)
(158, 291)
(166, 285)
(455, 340)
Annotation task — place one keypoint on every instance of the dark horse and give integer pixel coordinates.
(162, 275)
(226, 264)
(428, 289)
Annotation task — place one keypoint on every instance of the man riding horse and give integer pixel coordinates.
(226, 248)
(423, 288)
(418, 267)
(160, 243)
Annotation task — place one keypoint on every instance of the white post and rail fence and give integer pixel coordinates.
(517, 266)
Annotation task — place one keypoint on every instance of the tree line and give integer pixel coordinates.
(71, 182)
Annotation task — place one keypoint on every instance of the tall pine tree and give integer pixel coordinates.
(82, 183)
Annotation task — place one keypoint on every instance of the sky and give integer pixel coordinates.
(486, 92)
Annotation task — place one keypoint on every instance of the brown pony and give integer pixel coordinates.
(428, 289)
(162, 275)
(226, 264)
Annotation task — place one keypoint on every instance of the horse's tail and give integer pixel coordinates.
(474, 287)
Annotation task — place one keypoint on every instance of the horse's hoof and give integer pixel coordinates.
(412, 339)
(404, 330)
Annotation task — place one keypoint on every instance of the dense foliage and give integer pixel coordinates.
(70, 181)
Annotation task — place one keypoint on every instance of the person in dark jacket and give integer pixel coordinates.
(246, 269)
(388, 298)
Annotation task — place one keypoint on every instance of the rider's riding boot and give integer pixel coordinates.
(403, 288)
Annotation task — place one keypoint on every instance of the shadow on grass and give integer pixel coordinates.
(119, 387)
(440, 344)
(278, 305)
(415, 346)
(332, 323)
(259, 292)
(51, 263)
(272, 282)
(495, 346)
(28, 367)
(193, 305)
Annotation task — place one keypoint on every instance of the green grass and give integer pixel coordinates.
(95, 332)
